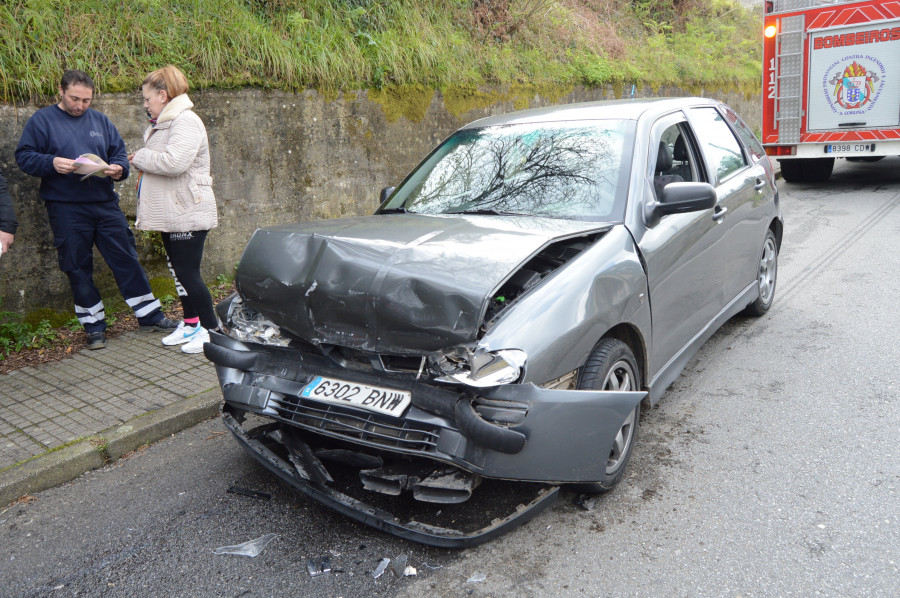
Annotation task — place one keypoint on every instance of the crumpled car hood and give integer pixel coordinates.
(405, 284)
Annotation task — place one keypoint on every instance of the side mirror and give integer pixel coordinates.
(385, 193)
(679, 198)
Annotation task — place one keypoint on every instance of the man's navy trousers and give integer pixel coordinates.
(77, 227)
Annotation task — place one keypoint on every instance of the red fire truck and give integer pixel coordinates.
(827, 90)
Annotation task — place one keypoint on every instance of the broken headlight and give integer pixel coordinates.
(245, 324)
(486, 369)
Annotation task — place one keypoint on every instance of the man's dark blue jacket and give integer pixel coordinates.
(53, 132)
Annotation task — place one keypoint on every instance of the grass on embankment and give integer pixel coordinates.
(349, 44)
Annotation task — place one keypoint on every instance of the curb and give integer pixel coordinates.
(57, 467)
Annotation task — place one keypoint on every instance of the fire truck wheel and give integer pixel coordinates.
(790, 171)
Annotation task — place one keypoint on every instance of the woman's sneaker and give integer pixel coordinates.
(182, 334)
(195, 345)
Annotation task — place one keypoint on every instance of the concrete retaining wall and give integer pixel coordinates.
(276, 157)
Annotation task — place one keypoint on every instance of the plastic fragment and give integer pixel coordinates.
(250, 493)
(249, 548)
(381, 567)
(587, 502)
(477, 578)
(319, 565)
(398, 565)
(410, 571)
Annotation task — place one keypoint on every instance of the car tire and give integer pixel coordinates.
(806, 170)
(766, 277)
(612, 366)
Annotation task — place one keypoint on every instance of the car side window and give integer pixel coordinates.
(720, 146)
(683, 162)
(675, 160)
(671, 158)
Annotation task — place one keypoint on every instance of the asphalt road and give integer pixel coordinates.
(770, 468)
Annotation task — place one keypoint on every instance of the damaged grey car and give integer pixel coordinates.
(438, 370)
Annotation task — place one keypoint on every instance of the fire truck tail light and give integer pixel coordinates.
(782, 150)
(769, 31)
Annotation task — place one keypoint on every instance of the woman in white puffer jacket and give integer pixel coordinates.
(175, 197)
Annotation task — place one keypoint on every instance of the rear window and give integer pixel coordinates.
(747, 136)
(720, 146)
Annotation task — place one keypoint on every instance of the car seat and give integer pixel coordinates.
(680, 154)
(663, 164)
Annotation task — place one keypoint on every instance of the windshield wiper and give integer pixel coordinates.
(490, 212)
(400, 210)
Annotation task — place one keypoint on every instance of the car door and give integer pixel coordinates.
(680, 253)
(741, 187)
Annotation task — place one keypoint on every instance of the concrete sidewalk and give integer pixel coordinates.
(59, 420)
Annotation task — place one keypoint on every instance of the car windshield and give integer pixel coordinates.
(573, 170)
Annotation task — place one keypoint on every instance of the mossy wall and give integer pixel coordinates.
(280, 157)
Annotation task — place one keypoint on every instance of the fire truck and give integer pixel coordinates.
(827, 90)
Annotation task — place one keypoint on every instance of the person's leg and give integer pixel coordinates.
(73, 237)
(116, 243)
(185, 252)
(190, 314)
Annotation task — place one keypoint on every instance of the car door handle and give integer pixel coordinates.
(760, 183)
(719, 213)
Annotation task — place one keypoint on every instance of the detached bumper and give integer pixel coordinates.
(559, 436)
(445, 526)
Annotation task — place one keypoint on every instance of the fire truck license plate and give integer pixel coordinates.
(848, 147)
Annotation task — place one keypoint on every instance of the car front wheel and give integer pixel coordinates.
(766, 277)
(612, 366)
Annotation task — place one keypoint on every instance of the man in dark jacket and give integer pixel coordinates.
(8, 222)
(84, 210)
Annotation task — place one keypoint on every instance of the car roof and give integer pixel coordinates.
(615, 109)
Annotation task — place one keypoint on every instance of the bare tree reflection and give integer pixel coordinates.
(557, 170)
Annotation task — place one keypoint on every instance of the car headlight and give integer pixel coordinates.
(245, 324)
(489, 369)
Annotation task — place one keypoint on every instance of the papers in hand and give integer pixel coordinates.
(90, 164)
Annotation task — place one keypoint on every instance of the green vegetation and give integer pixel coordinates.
(476, 52)
(45, 328)
(18, 333)
(351, 44)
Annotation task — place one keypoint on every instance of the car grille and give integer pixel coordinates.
(370, 428)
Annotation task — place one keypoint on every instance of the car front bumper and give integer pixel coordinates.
(564, 436)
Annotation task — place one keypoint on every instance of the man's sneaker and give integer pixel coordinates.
(164, 325)
(195, 345)
(182, 334)
(96, 340)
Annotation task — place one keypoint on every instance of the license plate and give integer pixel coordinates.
(838, 148)
(374, 398)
